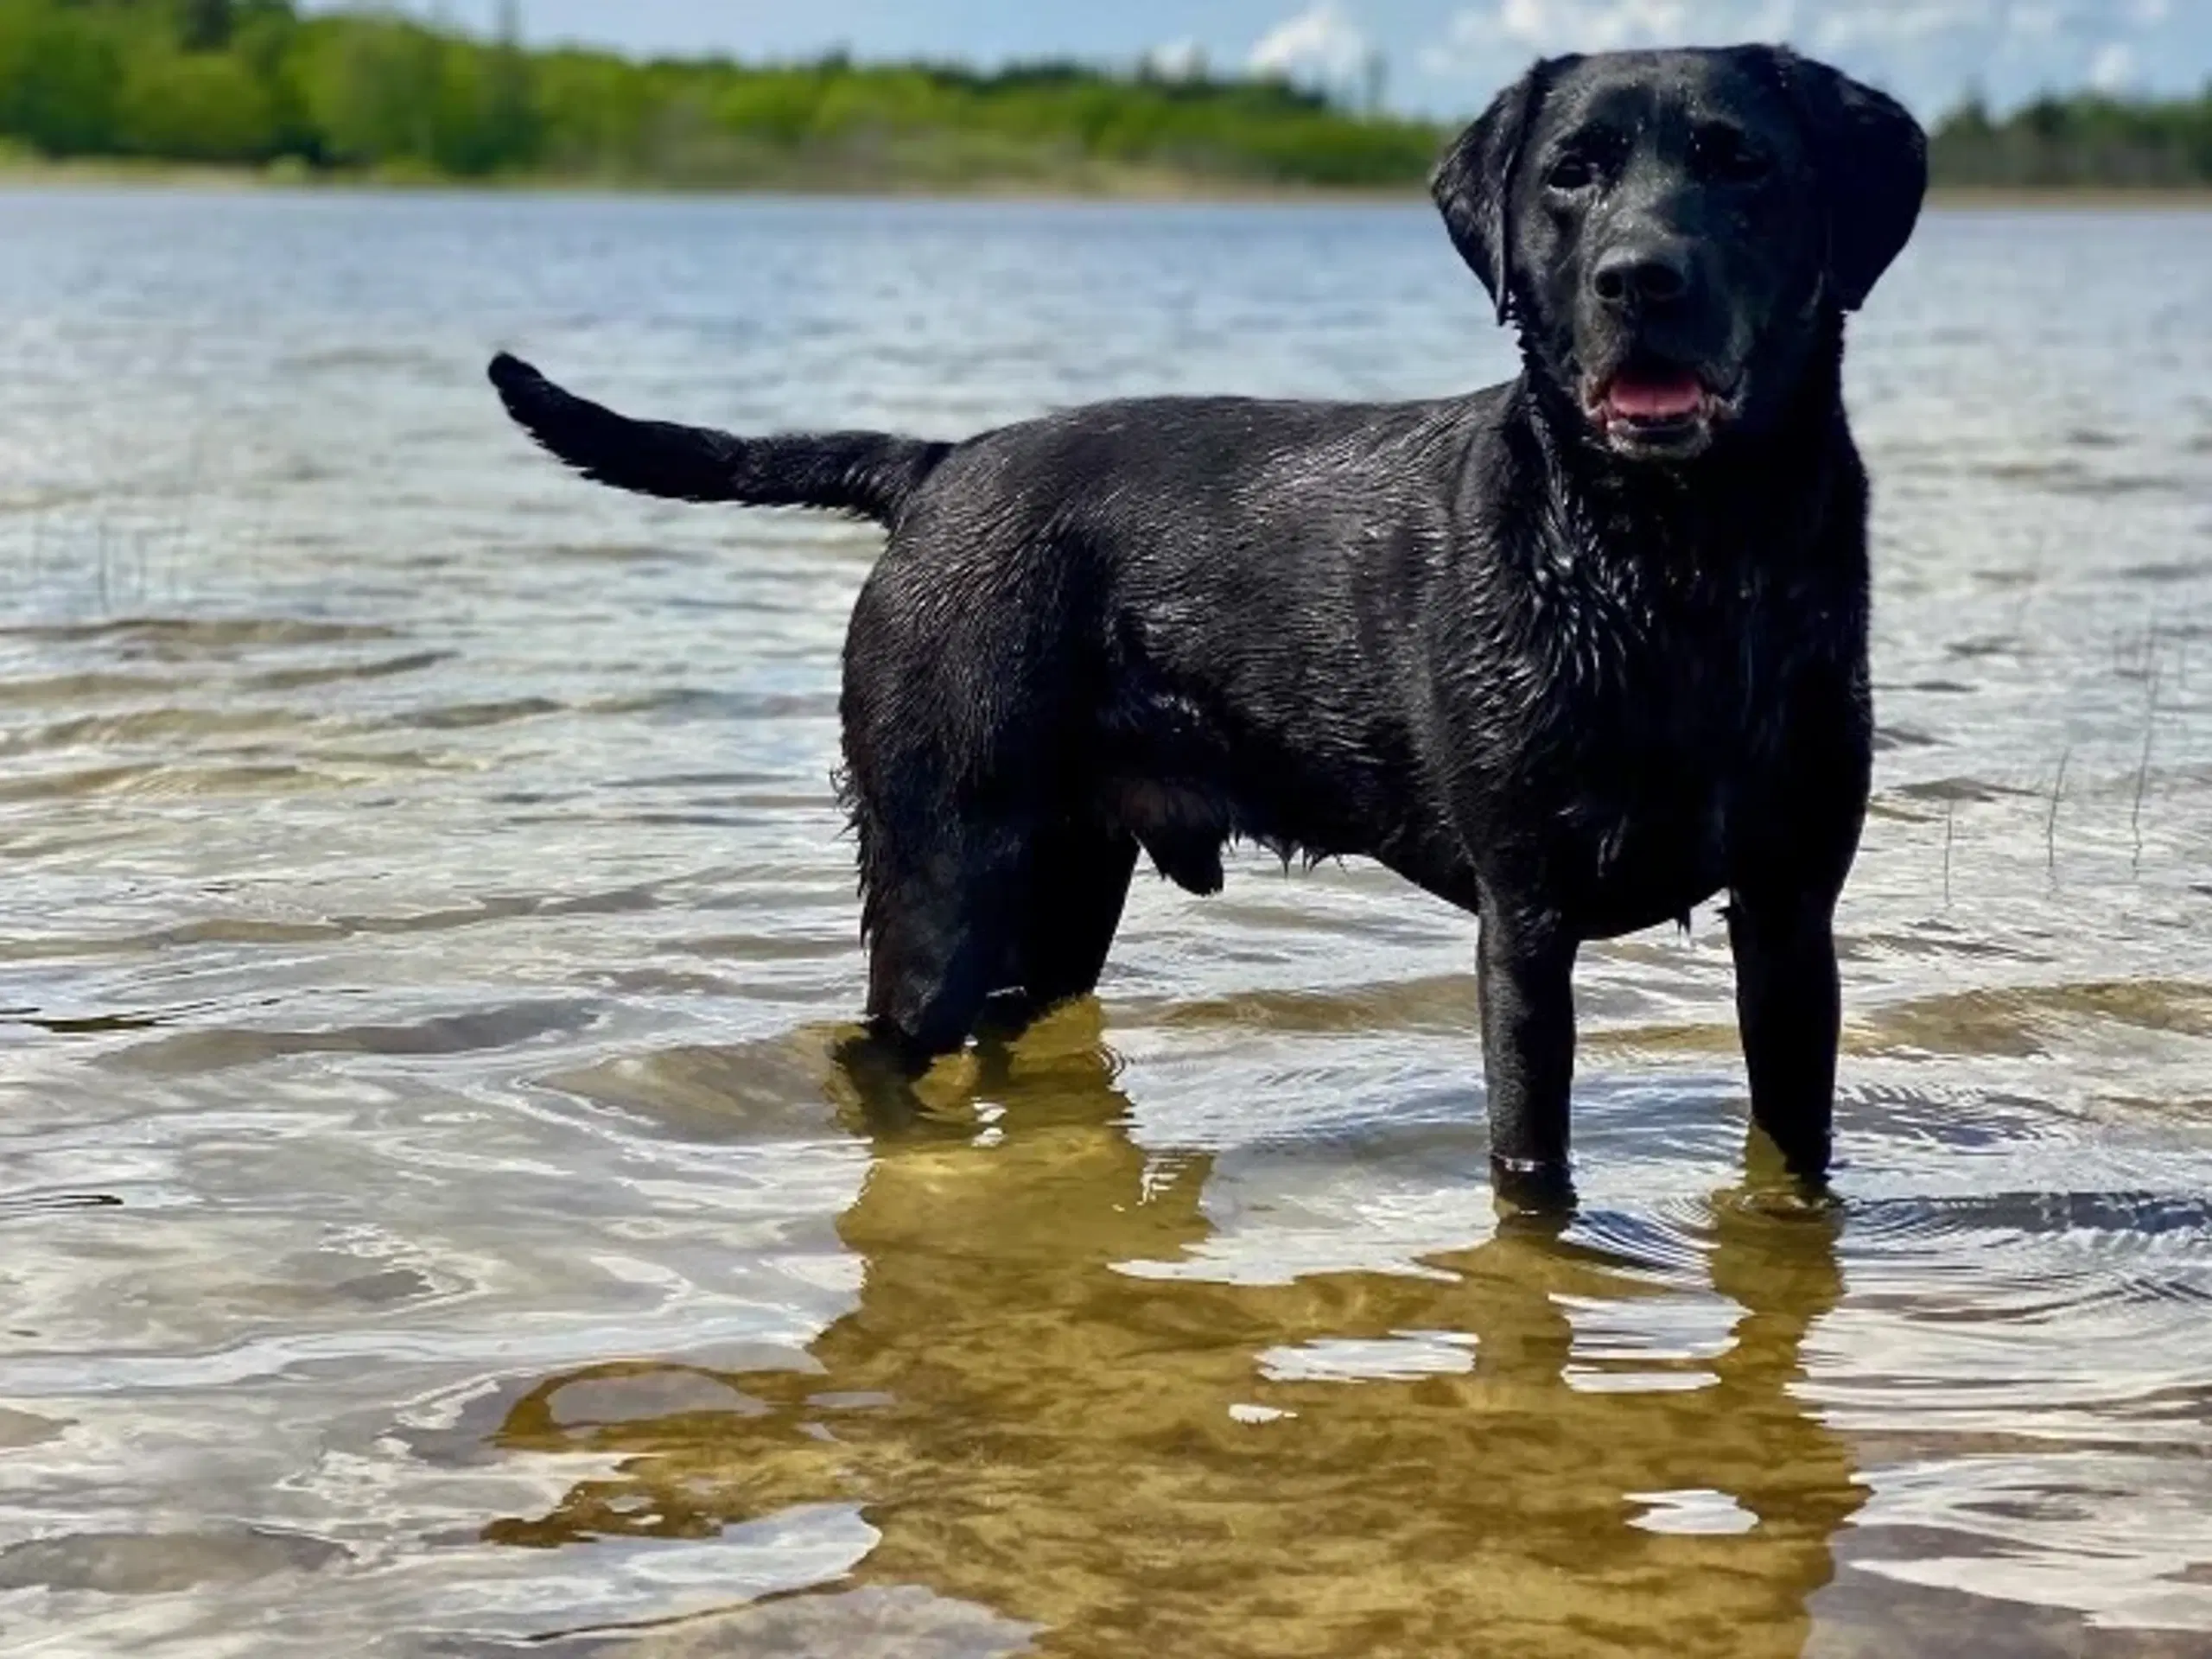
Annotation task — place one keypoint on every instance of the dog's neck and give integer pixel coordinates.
(1752, 491)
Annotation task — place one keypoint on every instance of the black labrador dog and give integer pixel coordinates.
(1574, 653)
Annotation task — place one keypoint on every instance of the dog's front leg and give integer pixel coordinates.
(1790, 1007)
(1526, 988)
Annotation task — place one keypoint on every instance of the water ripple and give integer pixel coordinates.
(438, 1221)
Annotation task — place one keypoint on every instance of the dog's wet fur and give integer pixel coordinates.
(1574, 653)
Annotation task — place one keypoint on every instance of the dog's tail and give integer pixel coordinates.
(871, 474)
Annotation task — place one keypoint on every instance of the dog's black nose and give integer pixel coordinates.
(1642, 274)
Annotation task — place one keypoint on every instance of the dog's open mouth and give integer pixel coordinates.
(1656, 410)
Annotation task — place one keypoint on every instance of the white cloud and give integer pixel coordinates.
(2113, 67)
(1603, 25)
(1927, 51)
(1776, 20)
(1483, 37)
(1183, 60)
(1579, 25)
(1319, 43)
(2038, 21)
(1480, 31)
(2058, 19)
(1901, 23)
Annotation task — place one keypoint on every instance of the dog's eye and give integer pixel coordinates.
(1725, 154)
(1572, 171)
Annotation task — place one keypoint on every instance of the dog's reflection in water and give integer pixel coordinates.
(1031, 1429)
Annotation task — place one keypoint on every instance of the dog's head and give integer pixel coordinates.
(1676, 232)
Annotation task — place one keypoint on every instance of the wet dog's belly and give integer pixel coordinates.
(1610, 873)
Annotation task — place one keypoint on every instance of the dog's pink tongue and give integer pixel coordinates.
(1658, 398)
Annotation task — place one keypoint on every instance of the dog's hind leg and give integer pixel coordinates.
(1078, 881)
(939, 916)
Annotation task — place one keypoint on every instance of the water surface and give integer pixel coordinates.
(433, 1223)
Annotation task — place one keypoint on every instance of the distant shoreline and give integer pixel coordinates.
(1126, 185)
(2198, 197)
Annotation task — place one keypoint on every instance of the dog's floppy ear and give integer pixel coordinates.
(1473, 184)
(1871, 159)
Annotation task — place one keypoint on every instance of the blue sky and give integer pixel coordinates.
(1443, 56)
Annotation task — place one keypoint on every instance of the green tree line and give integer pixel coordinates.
(2086, 141)
(255, 82)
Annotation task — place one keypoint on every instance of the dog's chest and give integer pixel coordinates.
(1631, 857)
(1673, 728)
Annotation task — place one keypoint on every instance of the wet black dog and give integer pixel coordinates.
(1574, 653)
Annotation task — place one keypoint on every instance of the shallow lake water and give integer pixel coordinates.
(430, 1222)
